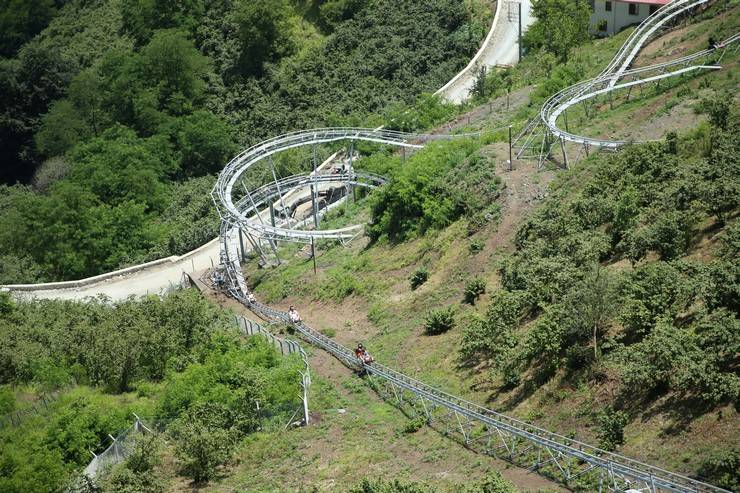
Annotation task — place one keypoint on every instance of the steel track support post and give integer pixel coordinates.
(280, 193)
(565, 155)
(313, 255)
(426, 411)
(256, 246)
(314, 192)
(351, 171)
(519, 42)
(305, 382)
(565, 117)
(241, 243)
(259, 216)
(272, 214)
(540, 159)
(462, 428)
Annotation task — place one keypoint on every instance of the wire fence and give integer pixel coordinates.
(17, 417)
(124, 443)
(120, 449)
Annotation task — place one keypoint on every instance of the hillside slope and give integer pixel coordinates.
(666, 273)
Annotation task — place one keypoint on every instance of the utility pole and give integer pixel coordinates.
(511, 162)
(313, 255)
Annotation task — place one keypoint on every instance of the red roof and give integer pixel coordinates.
(649, 2)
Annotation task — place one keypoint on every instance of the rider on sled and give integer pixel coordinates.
(294, 317)
(363, 355)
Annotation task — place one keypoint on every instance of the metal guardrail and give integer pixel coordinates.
(543, 131)
(286, 347)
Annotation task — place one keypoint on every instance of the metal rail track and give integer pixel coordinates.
(233, 212)
(497, 434)
(475, 426)
(543, 131)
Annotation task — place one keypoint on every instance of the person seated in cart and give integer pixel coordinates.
(294, 317)
(251, 298)
(363, 355)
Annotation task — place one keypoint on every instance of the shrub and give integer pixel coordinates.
(611, 427)
(419, 277)
(722, 469)
(415, 424)
(474, 289)
(136, 474)
(328, 332)
(203, 442)
(492, 483)
(7, 400)
(440, 320)
(475, 246)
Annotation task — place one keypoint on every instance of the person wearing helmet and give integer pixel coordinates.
(293, 314)
(363, 355)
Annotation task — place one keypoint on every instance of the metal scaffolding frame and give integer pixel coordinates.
(537, 138)
(475, 426)
(487, 431)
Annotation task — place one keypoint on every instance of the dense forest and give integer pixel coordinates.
(117, 113)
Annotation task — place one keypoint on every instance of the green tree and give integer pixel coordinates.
(264, 33)
(167, 78)
(203, 441)
(142, 18)
(20, 20)
(61, 128)
(173, 68)
(595, 304)
(119, 166)
(720, 173)
(333, 12)
(561, 25)
(611, 427)
(203, 142)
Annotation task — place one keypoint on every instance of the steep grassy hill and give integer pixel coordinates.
(600, 302)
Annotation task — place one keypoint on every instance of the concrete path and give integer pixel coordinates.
(500, 48)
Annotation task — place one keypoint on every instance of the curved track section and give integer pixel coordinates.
(616, 75)
(237, 212)
(475, 426)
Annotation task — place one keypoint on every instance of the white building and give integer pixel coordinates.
(611, 16)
